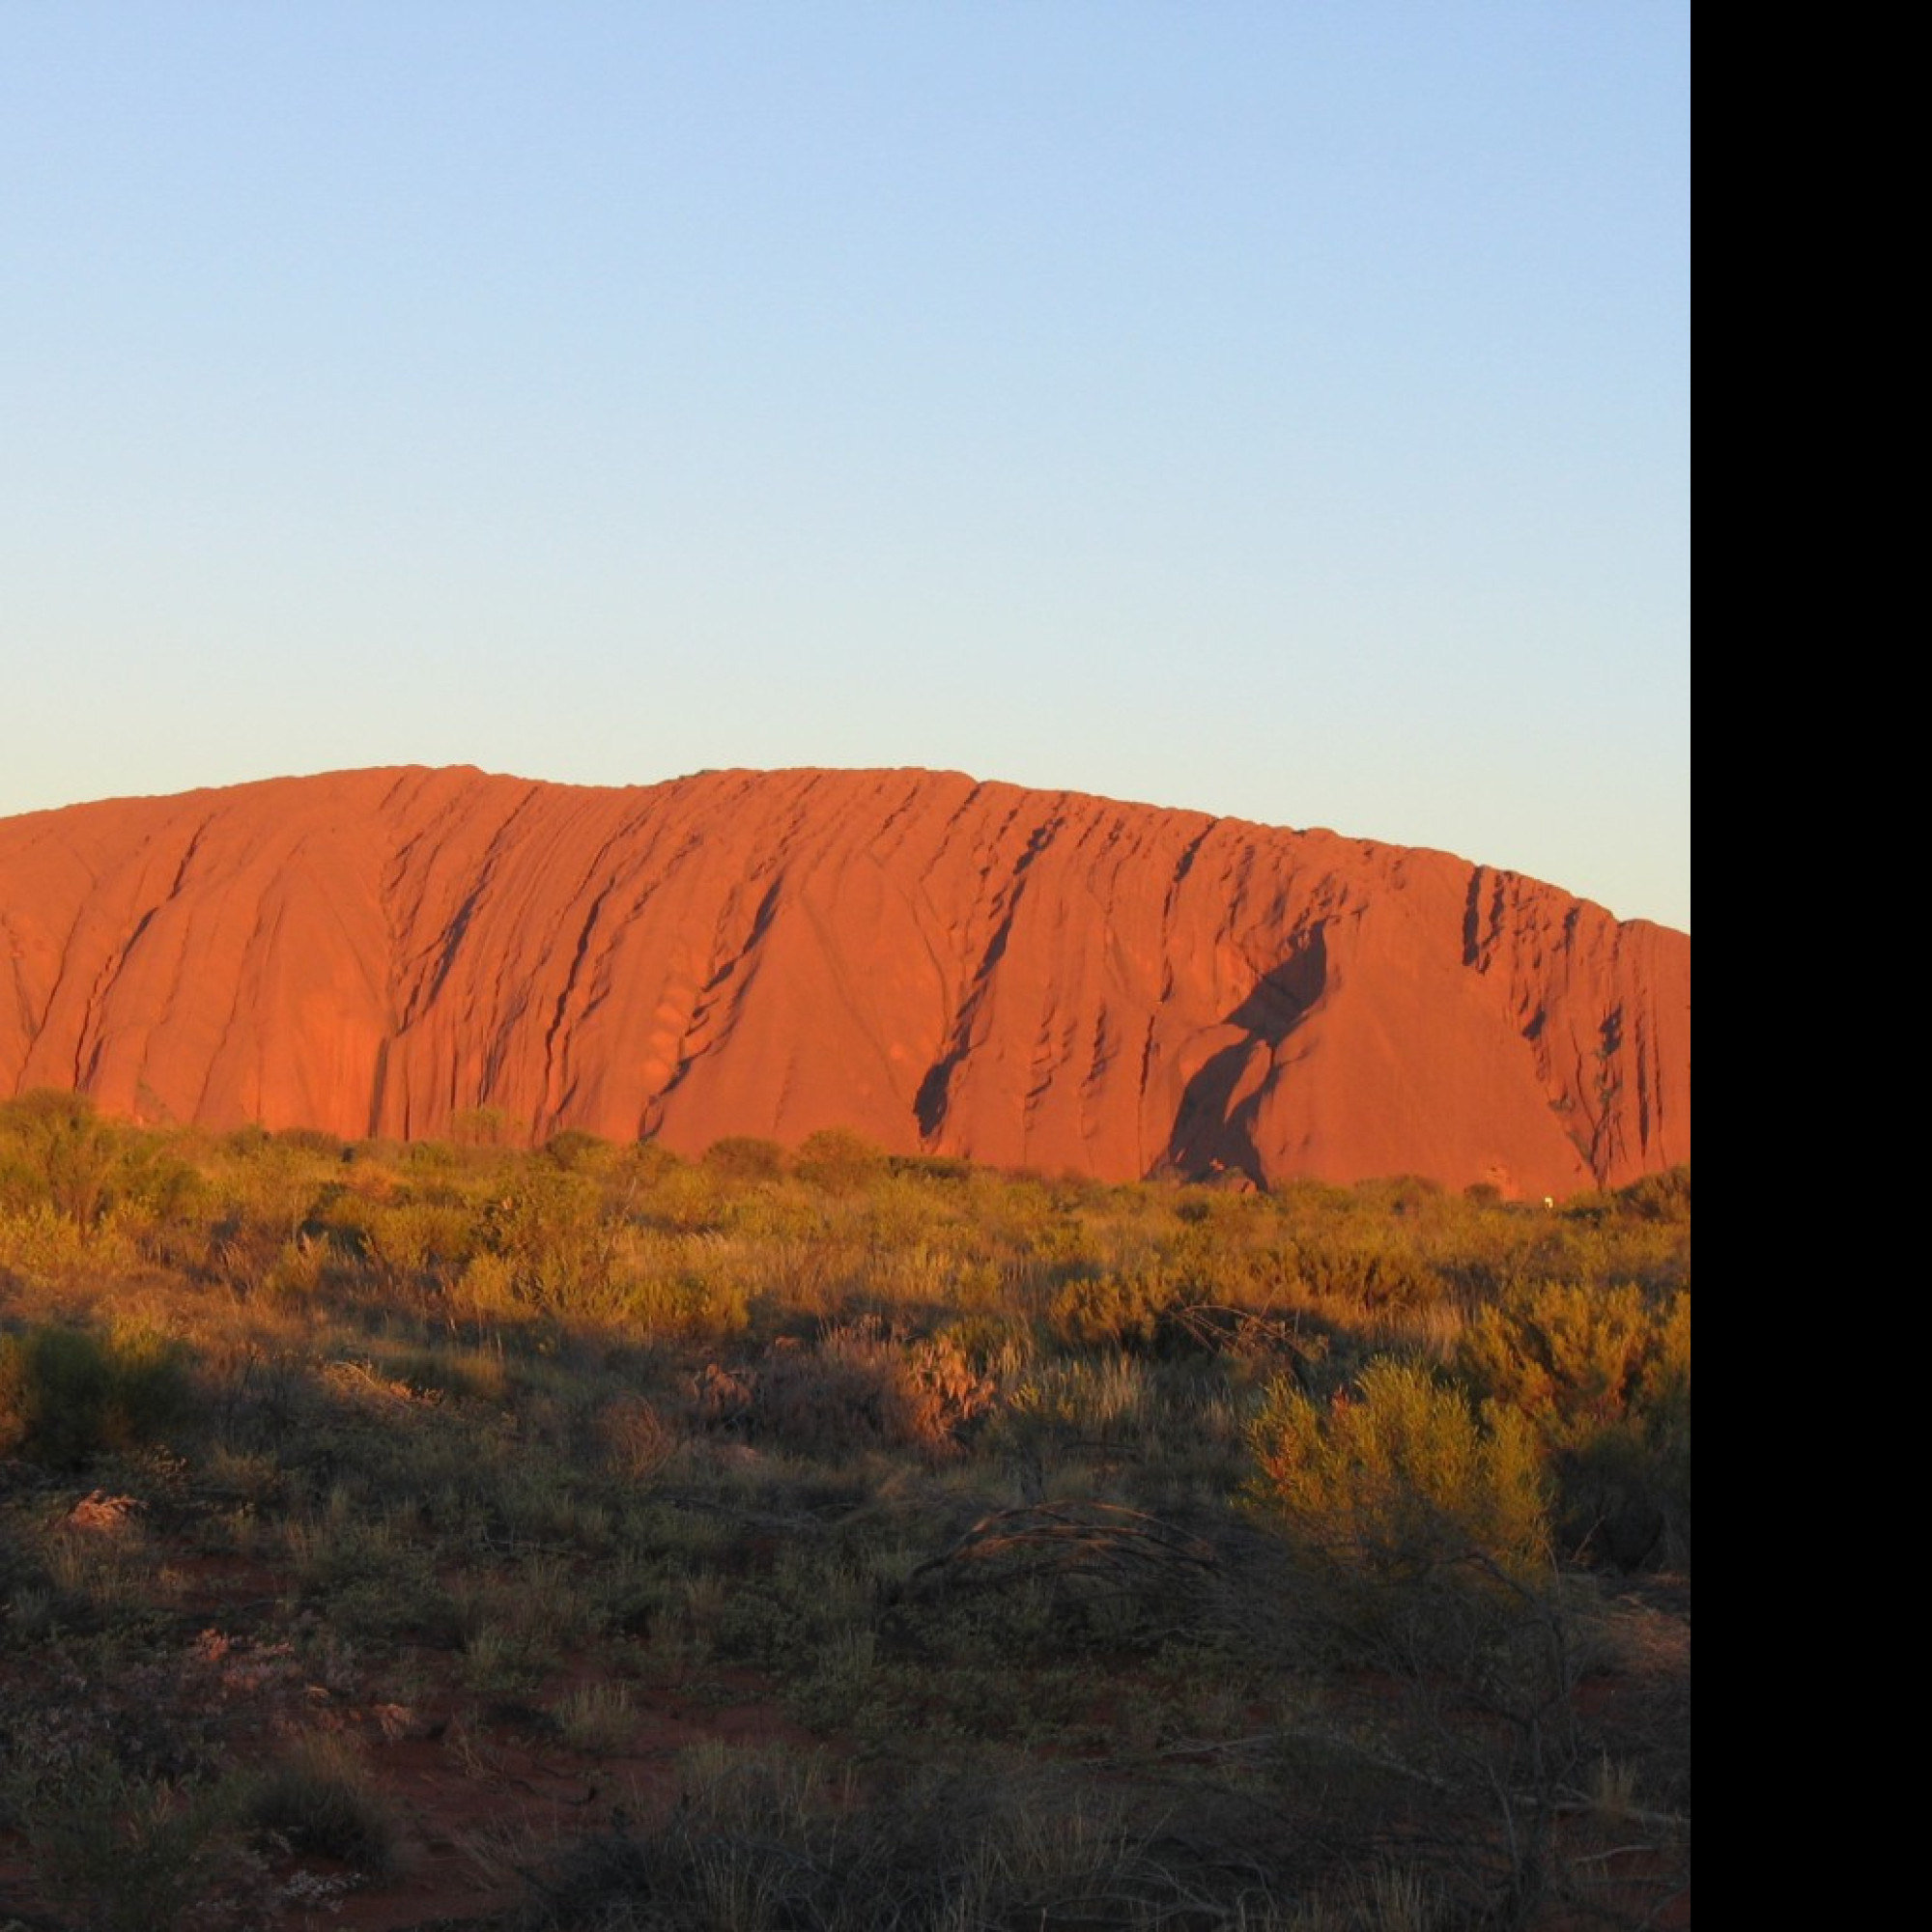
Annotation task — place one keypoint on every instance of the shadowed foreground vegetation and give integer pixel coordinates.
(812, 1539)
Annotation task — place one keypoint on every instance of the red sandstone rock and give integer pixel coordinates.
(1026, 977)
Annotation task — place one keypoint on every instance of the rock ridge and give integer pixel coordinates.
(1021, 977)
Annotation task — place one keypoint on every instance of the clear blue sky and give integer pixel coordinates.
(1280, 410)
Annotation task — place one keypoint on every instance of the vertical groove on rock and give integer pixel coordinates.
(931, 1102)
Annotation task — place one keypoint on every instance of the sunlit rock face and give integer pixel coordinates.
(1026, 977)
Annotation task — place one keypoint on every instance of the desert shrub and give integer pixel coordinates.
(1615, 1504)
(775, 1213)
(636, 1439)
(465, 1375)
(1066, 1248)
(573, 1149)
(71, 1157)
(277, 1190)
(768, 1839)
(745, 1157)
(1601, 1247)
(1049, 1411)
(906, 1270)
(407, 1242)
(1368, 1271)
(693, 1302)
(320, 1798)
(155, 1185)
(644, 1164)
(864, 1386)
(1402, 1478)
(831, 1401)
(486, 1291)
(1248, 1346)
(597, 1718)
(131, 1851)
(1642, 1514)
(932, 1167)
(838, 1161)
(296, 1270)
(937, 1392)
(1659, 1197)
(40, 1244)
(686, 1200)
(67, 1394)
(548, 1226)
(1423, 1539)
(1304, 1199)
(1603, 1376)
(1566, 1356)
(482, 1127)
(1406, 1194)
(1120, 1311)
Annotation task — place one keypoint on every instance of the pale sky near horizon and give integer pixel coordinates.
(1280, 410)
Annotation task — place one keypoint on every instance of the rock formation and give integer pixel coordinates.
(1026, 978)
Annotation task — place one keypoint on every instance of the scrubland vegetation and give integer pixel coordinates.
(796, 1539)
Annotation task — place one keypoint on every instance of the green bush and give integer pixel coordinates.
(572, 1148)
(132, 1852)
(839, 1161)
(1117, 1311)
(67, 1394)
(1603, 1377)
(746, 1157)
(67, 1156)
(1368, 1268)
(549, 1227)
(1401, 1479)
(1566, 1357)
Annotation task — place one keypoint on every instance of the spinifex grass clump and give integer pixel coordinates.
(319, 1794)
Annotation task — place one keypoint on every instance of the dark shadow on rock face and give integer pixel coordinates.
(1213, 1133)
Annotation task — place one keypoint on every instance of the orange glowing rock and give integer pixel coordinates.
(1024, 978)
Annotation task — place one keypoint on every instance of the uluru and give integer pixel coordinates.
(1024, 978)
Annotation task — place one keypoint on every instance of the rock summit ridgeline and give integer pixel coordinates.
(1024, 978)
